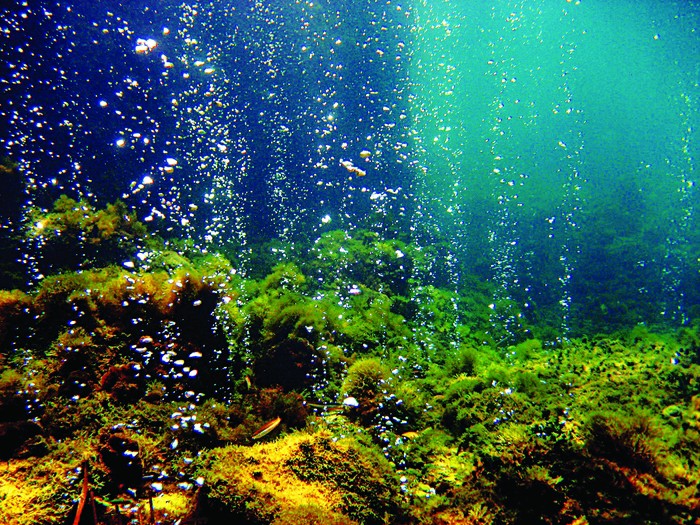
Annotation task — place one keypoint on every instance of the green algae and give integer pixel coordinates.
(159, 375)
(75, 234)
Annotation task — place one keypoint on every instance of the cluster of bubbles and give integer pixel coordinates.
(228, 123)
(517, 145)
(485, 112)
(215, 120)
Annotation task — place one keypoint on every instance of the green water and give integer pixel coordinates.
(558, 145)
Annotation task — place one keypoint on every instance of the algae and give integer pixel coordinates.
(398, 399)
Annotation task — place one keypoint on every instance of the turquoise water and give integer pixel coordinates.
(558, 141)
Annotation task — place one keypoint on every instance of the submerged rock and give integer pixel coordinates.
(309, 475)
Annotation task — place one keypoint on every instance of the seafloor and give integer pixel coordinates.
(334, 388)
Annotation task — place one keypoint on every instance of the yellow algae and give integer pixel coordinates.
(260, 472)
(309, 472)
(26, 494)
(171, 505)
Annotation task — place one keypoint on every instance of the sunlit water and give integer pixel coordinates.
(546, 146)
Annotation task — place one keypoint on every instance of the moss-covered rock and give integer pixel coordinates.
(300, 474)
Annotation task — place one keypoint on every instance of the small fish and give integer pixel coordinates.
(329, 408)
(348, 165)
(411, 434)
(248, 383)
(266, 428)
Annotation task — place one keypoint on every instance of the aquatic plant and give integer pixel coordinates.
(75, 234)
(312, 515)
(80, 219)
(339, 259)
(270, 403)
(369, 325)
(525, 349)
(14, 399)
(464, 361)
(367, 382)
(34, 492)
(13, 267)
(283, 328)
(181, 357)
(12, 305)
(125, 383)
(121, 456)
(627, 440)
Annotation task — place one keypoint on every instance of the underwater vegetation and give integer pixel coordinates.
(73, 234)
(153, 382)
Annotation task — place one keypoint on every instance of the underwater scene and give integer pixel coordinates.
(350, 262)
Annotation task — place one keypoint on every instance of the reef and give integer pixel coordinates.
(151, 381)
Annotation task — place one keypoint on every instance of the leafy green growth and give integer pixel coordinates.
(161, 374)
(12, 305)
(79, 219)
(366, 382)
(75, 234)
(626, 440)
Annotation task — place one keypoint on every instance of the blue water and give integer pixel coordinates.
(547, 147)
